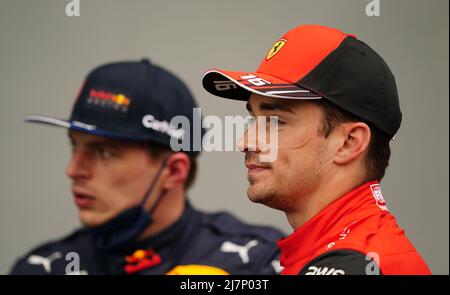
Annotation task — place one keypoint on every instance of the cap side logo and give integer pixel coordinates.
(275, 48)
(110, 100)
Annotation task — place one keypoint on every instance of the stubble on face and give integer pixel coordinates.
(287, 182)
(286, 187)
(260, 189)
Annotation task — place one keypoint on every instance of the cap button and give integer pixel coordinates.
(146, 61)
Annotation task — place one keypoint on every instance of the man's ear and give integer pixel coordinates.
(356, 139)
(178, 165)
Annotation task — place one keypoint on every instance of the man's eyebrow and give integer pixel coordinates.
(96, 144)
(271, 106)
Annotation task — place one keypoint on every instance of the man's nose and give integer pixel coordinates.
(248, 141)
(79, 166)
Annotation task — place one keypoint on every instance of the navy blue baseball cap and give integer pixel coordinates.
(131, 101)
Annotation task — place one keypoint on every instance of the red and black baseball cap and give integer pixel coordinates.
(131, 100)
(318, 62)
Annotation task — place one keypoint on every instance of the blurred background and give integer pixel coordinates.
(45, 55)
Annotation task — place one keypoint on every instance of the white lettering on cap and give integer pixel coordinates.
(150, 122)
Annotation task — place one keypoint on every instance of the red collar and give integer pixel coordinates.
(319, 231)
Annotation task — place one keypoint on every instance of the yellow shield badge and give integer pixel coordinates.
(275, 48)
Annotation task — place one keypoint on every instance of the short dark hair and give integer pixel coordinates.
(158, 150)
(379, 151)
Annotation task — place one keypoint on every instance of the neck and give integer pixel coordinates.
(168, 211)
(328, 188)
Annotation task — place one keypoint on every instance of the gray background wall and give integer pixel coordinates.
(44, 56)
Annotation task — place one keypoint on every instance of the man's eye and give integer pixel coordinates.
(104, 153)
(274, 121)
(249, 120)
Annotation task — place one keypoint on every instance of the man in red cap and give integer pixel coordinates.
(337, 107)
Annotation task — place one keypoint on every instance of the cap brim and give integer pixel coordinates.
(240, 85)
(78, 126)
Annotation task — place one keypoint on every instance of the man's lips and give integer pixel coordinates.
(83, 200)
(253, 168)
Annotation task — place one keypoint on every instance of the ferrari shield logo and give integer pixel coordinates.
(275, 48)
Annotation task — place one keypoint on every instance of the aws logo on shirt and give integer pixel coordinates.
(324, 271)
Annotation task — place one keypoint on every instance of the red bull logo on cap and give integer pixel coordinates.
(105, 99)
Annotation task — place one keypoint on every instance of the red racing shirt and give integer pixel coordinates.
(355, 234)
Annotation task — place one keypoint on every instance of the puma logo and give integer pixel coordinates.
(277, 266)
(242, 251)
(44, 261)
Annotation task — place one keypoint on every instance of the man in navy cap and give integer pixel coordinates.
(130, 187)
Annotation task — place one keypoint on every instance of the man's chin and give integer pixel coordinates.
(263, 197)
(257, 196)
(89, 220)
